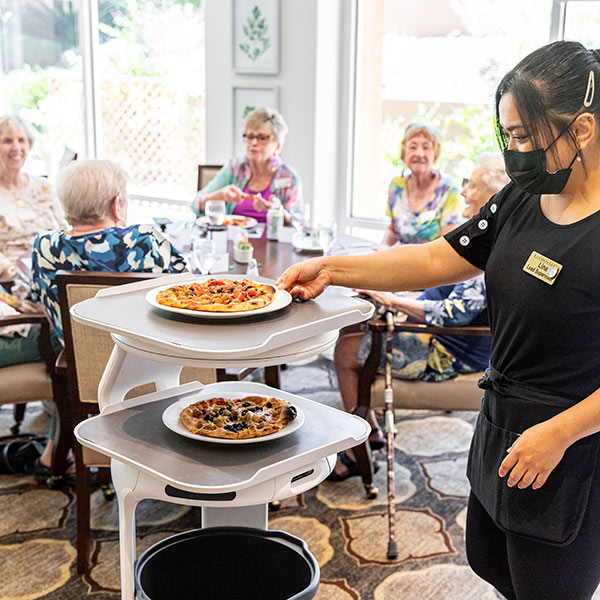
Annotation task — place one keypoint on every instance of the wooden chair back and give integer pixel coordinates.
(206, 173)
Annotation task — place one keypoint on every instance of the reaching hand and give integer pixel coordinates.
(232, 194)
(383, 298)
(31, 308)
(532, 457)
(305, 280)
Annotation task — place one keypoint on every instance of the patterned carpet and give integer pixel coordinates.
(346, 533)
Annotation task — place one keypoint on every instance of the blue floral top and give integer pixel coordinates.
(135, 248)
(285, 184)
(424, 225)
(455, 306)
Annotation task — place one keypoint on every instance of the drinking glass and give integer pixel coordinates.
(297, 216)
(215, 211)
(204, 255)
(327, 236)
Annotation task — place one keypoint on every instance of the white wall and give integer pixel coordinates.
(312, 84)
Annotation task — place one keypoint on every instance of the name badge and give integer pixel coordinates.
(427, 216)
(543, 268)
(282, 182)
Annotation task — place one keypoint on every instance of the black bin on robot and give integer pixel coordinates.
(227, 563)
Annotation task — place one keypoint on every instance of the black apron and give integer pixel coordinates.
(553, 513)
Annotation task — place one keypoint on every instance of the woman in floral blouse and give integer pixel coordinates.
(425, 204)
(260, 180)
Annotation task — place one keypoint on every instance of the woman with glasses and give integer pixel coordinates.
(425, 204)
(260, 180)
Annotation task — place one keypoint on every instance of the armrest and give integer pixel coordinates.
(22, 319)
(60, 366)
(476, 330)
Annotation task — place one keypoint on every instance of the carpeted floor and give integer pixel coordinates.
(346, 532)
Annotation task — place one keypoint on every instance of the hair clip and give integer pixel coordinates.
(589, 92)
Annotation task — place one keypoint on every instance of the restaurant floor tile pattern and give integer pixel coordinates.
(346, 532)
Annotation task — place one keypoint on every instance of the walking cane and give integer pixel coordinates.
(392, 551)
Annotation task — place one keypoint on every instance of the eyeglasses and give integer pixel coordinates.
(261, 137)
(465, 182)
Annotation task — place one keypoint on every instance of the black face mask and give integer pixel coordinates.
(528, 169)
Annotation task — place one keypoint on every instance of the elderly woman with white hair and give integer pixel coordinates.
(260, 180)
(94, 198)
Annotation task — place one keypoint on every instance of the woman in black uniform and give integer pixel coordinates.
(533, 529)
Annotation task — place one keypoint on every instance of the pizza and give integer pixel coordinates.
(218, 295)
(236, 221)
(238, 419)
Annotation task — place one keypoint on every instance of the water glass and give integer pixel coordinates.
(204, 255)
(327, 235)
(215, 211)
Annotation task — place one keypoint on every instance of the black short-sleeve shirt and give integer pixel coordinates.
(547, 336)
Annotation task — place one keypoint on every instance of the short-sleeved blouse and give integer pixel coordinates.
(24, 213)
(424, 225)
(138, 248)
(545, 323)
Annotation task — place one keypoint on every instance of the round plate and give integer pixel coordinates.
(249, 222)
(170, 418)
(306, 243)
(281, 300)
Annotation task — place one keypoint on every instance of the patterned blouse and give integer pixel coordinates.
(286, 183)
(135, 248)
(23, 213)
(425, 224)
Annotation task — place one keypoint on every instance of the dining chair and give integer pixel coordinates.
(38, 381)
(87, 351)
(206, 173)
(460, 393)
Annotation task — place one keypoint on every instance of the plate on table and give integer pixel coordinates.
(280, 301)
(231, 221)
(170, 418)
(307, 243)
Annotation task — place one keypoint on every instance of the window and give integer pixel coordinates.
(439, 62)
(110, 79)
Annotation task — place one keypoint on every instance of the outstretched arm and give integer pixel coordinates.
(408, 267)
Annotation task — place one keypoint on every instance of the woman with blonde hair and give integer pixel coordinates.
(260, 180)
(425, 204)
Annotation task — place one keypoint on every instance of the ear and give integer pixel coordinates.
(116, 210)
(585, 129)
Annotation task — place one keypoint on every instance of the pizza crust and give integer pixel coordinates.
(238, 419)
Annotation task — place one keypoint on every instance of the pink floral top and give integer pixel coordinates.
(286, 183)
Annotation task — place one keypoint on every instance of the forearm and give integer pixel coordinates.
(579, 421)
(411, 307)
(389, 238)
(407, 267)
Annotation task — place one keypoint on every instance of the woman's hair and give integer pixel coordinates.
(493, 171)
(15, 122)
(431, 133)
(269, 117)
(549, 87)
(86, 189)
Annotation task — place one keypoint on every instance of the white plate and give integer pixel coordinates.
(251, 221)
(306, 242)
(170, 418)
(281, 300)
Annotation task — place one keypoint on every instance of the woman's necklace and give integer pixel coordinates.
(17, 191)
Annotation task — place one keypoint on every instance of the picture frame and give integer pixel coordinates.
(246, 99)
(256, 36)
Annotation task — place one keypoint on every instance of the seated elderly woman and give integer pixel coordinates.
(260, 180)
(425, 204)
(426, 357)
(28, 204)
(94, 198)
